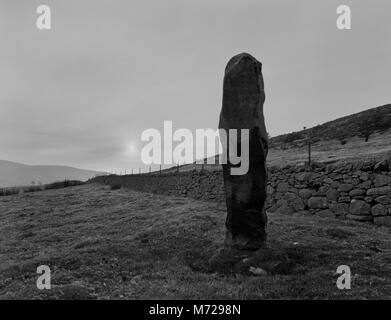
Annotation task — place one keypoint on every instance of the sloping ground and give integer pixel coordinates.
(107, 244)
(364, 123)
(328, 151)
(378, 147)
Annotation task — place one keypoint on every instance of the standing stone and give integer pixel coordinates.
(243, 99)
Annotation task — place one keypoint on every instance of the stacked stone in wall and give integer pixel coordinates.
(356, 191)
(200, 185)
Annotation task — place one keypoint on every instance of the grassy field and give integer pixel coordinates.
(120, 244)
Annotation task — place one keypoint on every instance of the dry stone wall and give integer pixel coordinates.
(202, 185)
(356, 191)
(360, 191)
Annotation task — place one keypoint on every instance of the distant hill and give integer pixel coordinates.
(362, 124)
(16, 174)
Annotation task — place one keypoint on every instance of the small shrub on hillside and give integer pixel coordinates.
(342, 138)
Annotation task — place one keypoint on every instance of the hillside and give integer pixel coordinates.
(106, 244)
(362, 124)
(362, 136)
(359, 136)
(17, 174)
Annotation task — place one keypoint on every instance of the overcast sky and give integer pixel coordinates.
(82, 93)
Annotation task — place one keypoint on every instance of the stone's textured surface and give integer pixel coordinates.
(368, 199)
(323, 191)
(328, 181)
(283, 187)
(359, 208)
(305, 193)
(243, 98)
(346, 187)
(290, 196)
(364, 176)
(365, 185)
(357, 192)
(382, 180)
(282, 203)
(332, 195)
(379, 191)
(297, 204)
(284, 209)
(344, 199)
(335, 185)
(317, 203)
(379, 210)
(303, 176)
(383, 200)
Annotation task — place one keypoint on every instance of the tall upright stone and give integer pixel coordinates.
(243, 99)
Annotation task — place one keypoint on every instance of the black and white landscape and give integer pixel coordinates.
(99, 200)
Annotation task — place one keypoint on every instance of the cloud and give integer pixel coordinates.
(82, 92)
